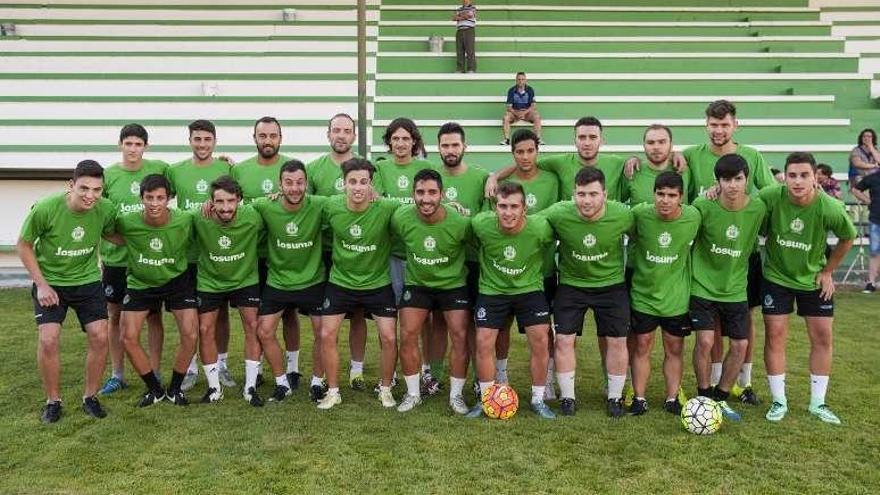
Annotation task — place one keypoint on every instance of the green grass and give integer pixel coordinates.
(359, 447)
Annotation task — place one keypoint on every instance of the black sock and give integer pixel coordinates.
(705, 392)
(176, 382)
(721, 394)
(152, 383)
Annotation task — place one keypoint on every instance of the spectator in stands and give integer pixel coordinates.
(778, 175)
(864, 158)
(465, 36)
(520, 106)
(868, 191)
(825, 178)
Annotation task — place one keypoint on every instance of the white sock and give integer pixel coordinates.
(566, 384)
(777, 388)
(485, 385)
(293, 361)
(615, 386)
(282, 380)
(549, 373)
(426, 368)
(538, 393)
(212, 374)
(818, 388)
(316, 380)
(333, 390)
(745, 375)
(193, 366)
(501, 370)
(456, 386)
(716, 373)
(383, 388)
(412, 385)
(251, 369)
(356, 368)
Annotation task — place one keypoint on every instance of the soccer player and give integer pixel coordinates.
(359, 277)
(325, 179)
(58, 246)
(728, 235)
(295, 269)
(156, 242)
(799, 217)
(435, 237)
(511, 253)
(227, 246)
(122, 186)
(190, 180)
(657, 142)
(662, 236)
(591, 232)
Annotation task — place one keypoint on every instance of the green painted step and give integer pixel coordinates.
(636, 3)
(696, 45)
(488, 31)
(179, 6)
(596, 16)
(537, 63)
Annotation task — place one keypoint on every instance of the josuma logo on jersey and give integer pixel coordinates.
(78, 233)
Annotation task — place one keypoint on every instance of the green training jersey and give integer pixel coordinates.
(661, 261)
(590, 251)
(227, 252)
(294, 242)
(396, 182)
(360, 243)
(325, 176)
(467, 190)
(722, 248)
(123, 187)
(640, 189)
(701, 163)
(256, 180)
(435, 253)
(66, 242)
(567, 165)
(510, 264)
(542, 191)
(155, 255)
(797, 235)
(192, 186)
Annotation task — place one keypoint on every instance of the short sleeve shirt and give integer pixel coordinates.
(227, 252)
(567, 165)
(155, 254)
(435, 253)
(520, 100)
(510, 264)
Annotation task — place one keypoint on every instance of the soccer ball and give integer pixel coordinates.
(500, 401)
(701, 416)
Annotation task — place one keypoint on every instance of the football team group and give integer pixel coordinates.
(436, 253)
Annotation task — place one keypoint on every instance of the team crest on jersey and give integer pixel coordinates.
(156, 244)
(451, 193)
(355, 230)
(339, 185)
(797, 226)
(291, 228)
(402, 182)
(78, 233)
(430, 243)
(589, 240)
(531, 200)
(202, 186)
(664, 239)
(224, 242)
(732, 232)
(509, 253)
(134, 188)
(267, 186)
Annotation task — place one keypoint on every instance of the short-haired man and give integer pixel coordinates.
(511, 255)
(58, 245)
(359, 278)
(662, 237)
(295, 278)
(868, 191)
(521, 106)
(156, 242)
(799, 217)
(122, 182)
(657, 143)
(435, 236)
(728, 235)
(591, 234)
(227, 274)
(465, 18)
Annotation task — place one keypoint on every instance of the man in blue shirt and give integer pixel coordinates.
(520, 106)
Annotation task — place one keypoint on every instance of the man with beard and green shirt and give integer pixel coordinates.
(191, 180)
(799, 217)
(156, 242)
(591, 231)
(657, 142)
(325, 179)
(662, 236)
(295, 279)
(728, 235)
(122, 186)
(359, 278)
(227, 274)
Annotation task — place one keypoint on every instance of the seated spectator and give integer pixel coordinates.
(778, 175)
(864, 158)
(521, 106)
(825, 177)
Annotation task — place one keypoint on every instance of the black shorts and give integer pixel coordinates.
(177, 293)
(679, 326)
(378, 302)
(779, 300)
(245, 297)
(415, 296)
(114, 280)
(307, 300)
(472, 281)
(551, 284)
(530, 309)
(262, 272)
(85, 299)
(755, 276)
(733, 316)
(610, 307)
